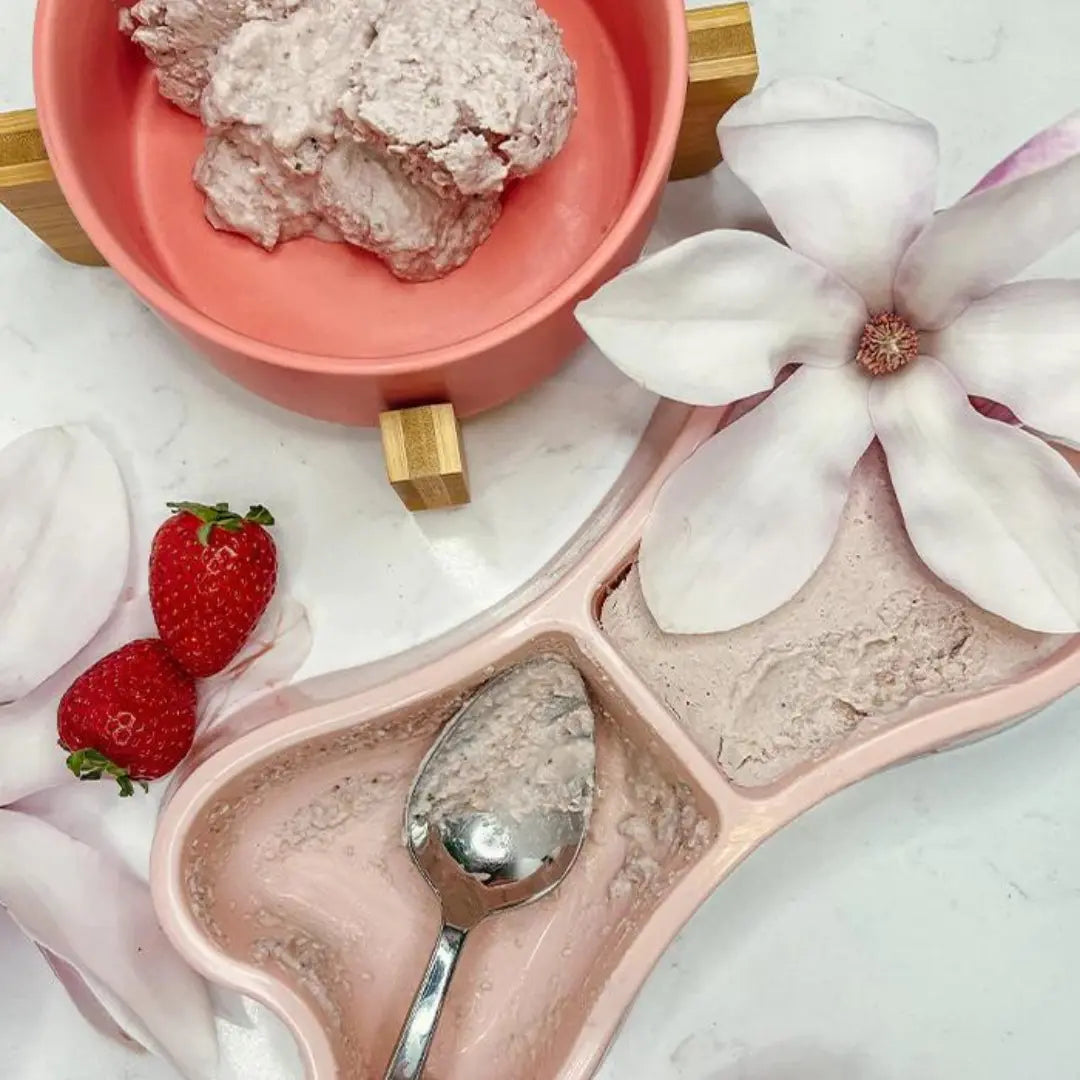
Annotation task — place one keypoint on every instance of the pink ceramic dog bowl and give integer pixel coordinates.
(321, 328)
(279, 867)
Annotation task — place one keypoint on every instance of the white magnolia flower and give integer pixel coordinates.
(73, 857)
(896, 315)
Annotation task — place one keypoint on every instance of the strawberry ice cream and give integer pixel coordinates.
(394, 127)
(872, 635)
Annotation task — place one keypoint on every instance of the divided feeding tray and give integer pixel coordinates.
(279, 868)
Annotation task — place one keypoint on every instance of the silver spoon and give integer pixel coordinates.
(496, 817)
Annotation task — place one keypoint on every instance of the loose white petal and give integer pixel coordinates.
(30, 759)
(276, 651)
(713, 318)
(105, 928)
(64, 546)
(848, 180)
(87, 1001)
(990, 508)
(1026, 205)
(1021, 347)
(93, 813)
(743, 525)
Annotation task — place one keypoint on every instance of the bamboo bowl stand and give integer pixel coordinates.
(422, 445)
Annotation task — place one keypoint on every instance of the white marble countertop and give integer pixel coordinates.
(924, 924)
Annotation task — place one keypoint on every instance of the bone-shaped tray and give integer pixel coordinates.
(278, 867)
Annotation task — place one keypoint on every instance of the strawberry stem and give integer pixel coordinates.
(91, 764)
(219, 516)
(259, 515)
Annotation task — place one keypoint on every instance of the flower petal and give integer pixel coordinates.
(274, 654)
(64, 534)
(30, 760)
(93, 814)
(848, 180)
(1021, 347)
(86, 1001)
(991, 509)
(743, 525)
(1026, 205)
(714, 318)
(105, 928)
(1050, 147)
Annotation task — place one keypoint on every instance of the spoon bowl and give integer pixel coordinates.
(496, 817)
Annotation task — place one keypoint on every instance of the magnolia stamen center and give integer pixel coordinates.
(888, 343)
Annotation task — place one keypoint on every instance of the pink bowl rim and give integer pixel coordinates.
(650, 181)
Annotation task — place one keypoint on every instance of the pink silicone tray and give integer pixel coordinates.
(278, 868)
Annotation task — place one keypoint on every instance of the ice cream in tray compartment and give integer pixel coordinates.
(280, 867)
(296, 867)
(871, 638)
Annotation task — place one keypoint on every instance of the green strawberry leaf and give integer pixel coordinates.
(259, 515)
(219, 516)
(91, 764)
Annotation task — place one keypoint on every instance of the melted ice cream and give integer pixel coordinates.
(298, 866)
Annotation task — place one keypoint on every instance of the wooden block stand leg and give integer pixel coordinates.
(723, 68)
(425, 459)
(30, 191)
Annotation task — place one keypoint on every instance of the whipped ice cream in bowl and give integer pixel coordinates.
(353, 204)
(280, 868)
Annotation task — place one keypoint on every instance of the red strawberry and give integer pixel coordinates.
(212, 573)
(131, 716)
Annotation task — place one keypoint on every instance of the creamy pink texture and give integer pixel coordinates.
(870, 635)
(365, 195)
(181, 38)
(523, 745)
(299, 867)
(483, 90)
(393, 125)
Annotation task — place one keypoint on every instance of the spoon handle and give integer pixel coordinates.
(419, 1029)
